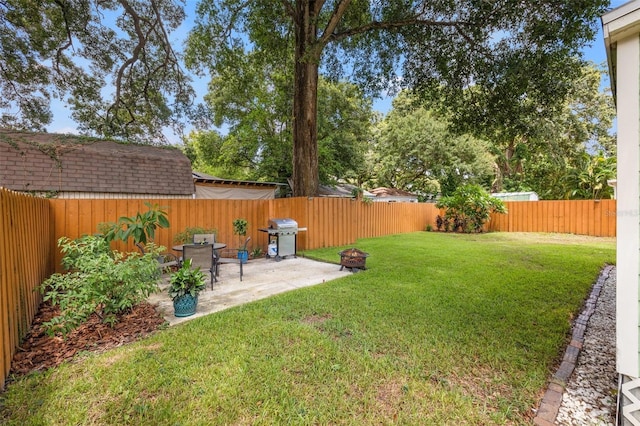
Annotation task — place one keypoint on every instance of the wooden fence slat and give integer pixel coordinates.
(24, 264)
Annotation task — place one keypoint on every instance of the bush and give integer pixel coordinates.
(468, 209)
(186, 236)
(98, 280)
(141, 227)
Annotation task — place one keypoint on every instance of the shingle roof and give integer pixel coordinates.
(391, 192)
(53, 162)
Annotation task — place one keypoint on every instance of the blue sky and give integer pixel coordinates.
(62, 123)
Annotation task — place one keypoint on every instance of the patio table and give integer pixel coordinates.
(216, 246)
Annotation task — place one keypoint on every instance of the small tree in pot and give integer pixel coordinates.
(240, 229)
(184, 287)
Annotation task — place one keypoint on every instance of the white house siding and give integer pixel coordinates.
(622, 39)
(115, 195)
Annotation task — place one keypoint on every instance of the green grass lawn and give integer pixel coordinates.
(441, 329)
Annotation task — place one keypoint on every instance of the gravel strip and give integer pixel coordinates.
(589, 397)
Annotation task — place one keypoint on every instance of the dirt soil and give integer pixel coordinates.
(38, 351)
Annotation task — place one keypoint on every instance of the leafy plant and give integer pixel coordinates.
(240, 227)
(442, 223)
(469, 208)
(140, 227)
(256, 252)
(99, 281)
(588, 180)
(186, 236)
(186, 281)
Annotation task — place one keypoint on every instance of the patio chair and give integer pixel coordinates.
(165, 260)
(235, 259)
(204, 238)
(207, 239)
(201, 255)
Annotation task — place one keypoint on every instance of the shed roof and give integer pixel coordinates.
(69, 163)
(199, 177)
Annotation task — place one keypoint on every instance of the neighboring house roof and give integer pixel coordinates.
(393, 194)
(341, 190)
(44, 162)
(212, 187)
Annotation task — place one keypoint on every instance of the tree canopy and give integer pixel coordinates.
(506, 50)
(251, 104)
(414, 150)
(111, 62)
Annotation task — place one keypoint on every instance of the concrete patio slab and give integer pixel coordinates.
(261, 278)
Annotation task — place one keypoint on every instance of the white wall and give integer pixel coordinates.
(628, 204)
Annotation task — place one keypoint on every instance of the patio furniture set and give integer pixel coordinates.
(205, 253)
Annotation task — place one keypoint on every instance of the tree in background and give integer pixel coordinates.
(111, 62)
(537, 150)
(507, 50)
(467, 209)
(588, 179)
(252, 103)
(415, 151)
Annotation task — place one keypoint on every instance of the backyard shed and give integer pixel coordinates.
(516, 196)
(69, 166)
(621, 28)
(211, 187)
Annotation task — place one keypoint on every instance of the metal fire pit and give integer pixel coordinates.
(353, 259)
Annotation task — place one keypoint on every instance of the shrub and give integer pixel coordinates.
(98, 280)
(140, 227)
(468, 209)
(186, 236)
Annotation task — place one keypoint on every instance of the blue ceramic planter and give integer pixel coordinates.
(243, 255)
(185, 306)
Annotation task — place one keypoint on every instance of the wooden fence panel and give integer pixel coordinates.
(25, 243)
(582, 217)
(30, 228)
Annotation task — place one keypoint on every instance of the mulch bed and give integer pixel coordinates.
(38, 351)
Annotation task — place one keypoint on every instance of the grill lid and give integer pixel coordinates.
(283, 223)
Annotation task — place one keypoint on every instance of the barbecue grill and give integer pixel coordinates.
(282, 237)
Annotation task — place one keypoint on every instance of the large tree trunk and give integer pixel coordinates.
(305, 104)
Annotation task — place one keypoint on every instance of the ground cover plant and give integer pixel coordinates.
(440, 329)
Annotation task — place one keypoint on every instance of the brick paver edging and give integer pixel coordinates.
(552, 399)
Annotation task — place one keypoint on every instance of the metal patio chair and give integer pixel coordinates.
(201, 255)
(232, 252)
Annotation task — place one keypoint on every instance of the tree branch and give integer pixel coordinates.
(334, 20)
(385, 25)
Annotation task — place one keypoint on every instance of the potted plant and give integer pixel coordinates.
(256, 253)
(184, 286)
(240, 229)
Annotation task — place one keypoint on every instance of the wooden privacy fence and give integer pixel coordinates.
(25, 262)
(30, 228)
(581, 217)
(329, 221)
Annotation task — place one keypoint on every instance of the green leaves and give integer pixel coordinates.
(130, 85)
(469, 208)
(98, 281)
(140, 227)
(186, 280)
(416, 152)
(588, 179)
